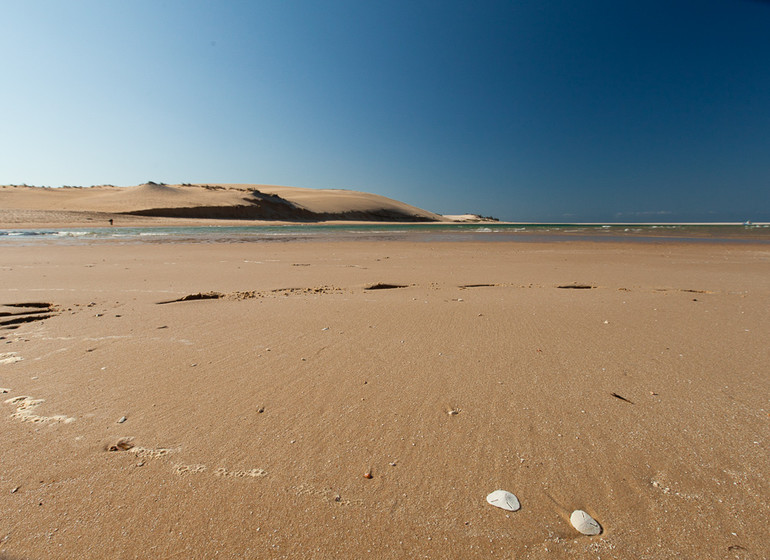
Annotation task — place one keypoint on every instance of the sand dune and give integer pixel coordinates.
(231, 201)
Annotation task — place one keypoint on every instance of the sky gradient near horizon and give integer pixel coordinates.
(527, 111)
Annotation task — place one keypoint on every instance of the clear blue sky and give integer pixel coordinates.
(526, 110)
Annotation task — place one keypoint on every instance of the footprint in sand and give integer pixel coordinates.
(221, 472)
(326, 495)
(151, 453)
(127, 444)
(25, 411)
(251, 473)
(189, 469)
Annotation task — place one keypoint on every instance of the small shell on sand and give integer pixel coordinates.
(504, 500)
(584, 523)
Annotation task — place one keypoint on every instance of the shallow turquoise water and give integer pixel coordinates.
(402, 232)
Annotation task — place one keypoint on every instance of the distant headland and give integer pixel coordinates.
(152, 202)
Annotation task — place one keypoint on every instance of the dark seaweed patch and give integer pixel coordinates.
(621, 398)
(8, 314)
(194, 297)
(28, 312)
(383, 286)
(20, 320)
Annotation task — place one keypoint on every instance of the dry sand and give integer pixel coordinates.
(252, 416)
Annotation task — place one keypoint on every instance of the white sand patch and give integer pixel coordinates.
(9, 358)
(25, 411)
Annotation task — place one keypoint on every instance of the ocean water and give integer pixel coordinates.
(644, 233)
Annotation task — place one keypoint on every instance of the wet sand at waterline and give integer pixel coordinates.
(204, 400)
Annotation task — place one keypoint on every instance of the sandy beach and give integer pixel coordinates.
(390, 281)
(203, 400)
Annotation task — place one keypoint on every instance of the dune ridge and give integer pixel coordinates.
(199, 201)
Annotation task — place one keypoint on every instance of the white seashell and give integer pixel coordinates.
(504, 500)
(584, 523)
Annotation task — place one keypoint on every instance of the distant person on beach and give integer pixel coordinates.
(110, 221)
